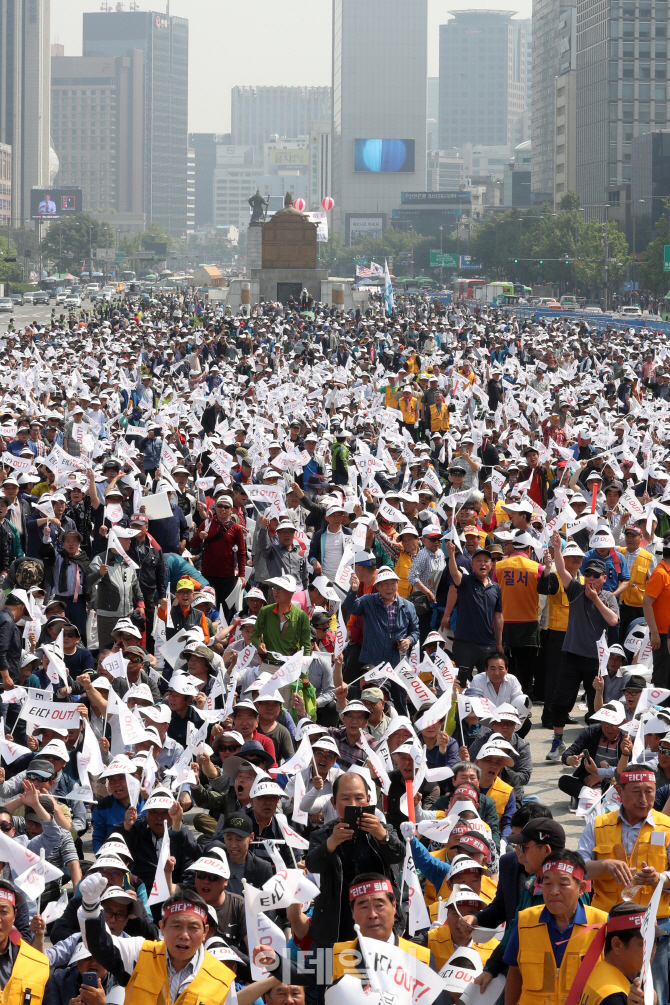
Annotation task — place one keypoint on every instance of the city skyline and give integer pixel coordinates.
(308, 28)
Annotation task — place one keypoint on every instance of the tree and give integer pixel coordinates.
(78, 235)
(9, 271)
(651, 267)
(154, 233)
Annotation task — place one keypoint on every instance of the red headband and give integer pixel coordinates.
(469, 791)
(567, 868)
(641, 775)
(593, 953)
(372, 886)
(477, 844)
(624, 921)
(184, 907)
(7, 895)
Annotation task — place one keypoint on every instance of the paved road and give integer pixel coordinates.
(41, 313)
(544, 780)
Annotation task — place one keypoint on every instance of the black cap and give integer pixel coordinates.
(596, 565)
(320, 619)
(634, 683)
(542, 830)
(238, 823)
(40, 765)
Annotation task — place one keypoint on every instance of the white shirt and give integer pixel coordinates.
(509, 689)
(332, 553)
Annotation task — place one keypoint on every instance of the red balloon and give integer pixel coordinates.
(327, 203)
(299, 204)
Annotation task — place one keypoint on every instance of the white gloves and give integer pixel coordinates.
(407, 829)
(91, 889)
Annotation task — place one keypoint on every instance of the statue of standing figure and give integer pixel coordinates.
(258, 207)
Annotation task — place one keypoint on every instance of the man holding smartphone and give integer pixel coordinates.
(339, 851)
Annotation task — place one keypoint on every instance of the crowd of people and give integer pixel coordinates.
(282, 595)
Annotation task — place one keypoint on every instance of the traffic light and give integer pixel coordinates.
(10, 258)
(541, 261)
(516, 260)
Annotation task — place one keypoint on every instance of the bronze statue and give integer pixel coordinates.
(257, 203)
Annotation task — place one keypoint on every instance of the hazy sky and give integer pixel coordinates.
(259, 42)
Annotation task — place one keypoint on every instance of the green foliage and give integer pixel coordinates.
(650, 269)
(544, 236)
(340, 259)
(154, 232)
(9, 271)
(75, 236)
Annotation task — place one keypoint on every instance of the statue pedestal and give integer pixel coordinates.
(254, 248)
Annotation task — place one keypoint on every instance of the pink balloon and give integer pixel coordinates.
(327, 203)
(299, 204)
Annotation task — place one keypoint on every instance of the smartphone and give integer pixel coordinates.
(353, 814)
(90, 979)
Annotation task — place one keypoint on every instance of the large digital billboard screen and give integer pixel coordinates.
(384, 156)
(54, 203)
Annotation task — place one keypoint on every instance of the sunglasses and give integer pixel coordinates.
(36, 778)
(207, 875)
(230, 748)
(221, 506)
(257, 761)
(5, 827)
(663, 750)
(590, 574)
(116, 915)
(71, 635)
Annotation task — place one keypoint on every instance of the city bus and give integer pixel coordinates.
(497, 293)
(468, 289)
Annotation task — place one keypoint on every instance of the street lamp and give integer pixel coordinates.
(441, 281)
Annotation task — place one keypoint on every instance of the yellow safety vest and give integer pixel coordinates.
(401, 569)
(430, 896)
(604, 980)
(346, 956)
(639, 573)
(439, 420)
(30, 971)
(499, 792)
(541, 983)
(408, 409)
(149, 985)
(606, 891)
(558, 608)
(390, 401)
(442, 946)
(412, 364)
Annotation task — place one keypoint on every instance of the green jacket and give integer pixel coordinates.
(296, 633)
(339, 457)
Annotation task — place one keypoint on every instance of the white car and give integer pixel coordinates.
(6, 304)
(72, 300)
(630, 312)
(592, 310)
(28, 298)
(61, 298)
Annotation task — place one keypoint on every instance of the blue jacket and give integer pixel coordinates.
(108, 815)
(377, 637)
(170, 531)
(506, 900)
(152, 452)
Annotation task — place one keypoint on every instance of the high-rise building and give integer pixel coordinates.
(320, 166)
(651, 176)
(379, 109)
(483, 79)
(25, 82)
(432, 111)
(190, 190)
(259, 113)
(97, 128)
(163, 41)
(622, 68)
(554, 55)
(204, 148)
(234, 182)
(5, 185)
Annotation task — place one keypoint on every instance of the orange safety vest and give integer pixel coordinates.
(346, 956)
(517, 579)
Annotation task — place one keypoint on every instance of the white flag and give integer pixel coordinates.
(438, 711)
(119, 549)
(376, 763)
(33, 880)
(648, 933)
(393, 971)
(603, 654)
(159, 890)
(300, 816)
(287, 673)
(290, 836)
(115, 664)
(340, 635)
(419, 917)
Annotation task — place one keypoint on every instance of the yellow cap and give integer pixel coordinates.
(185, 584)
